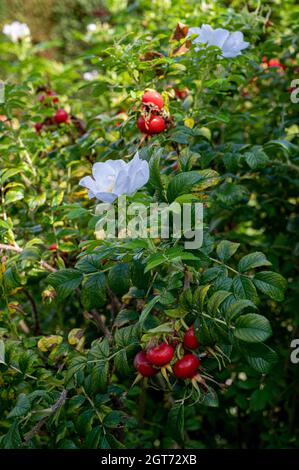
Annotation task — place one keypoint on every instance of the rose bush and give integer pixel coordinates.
(104, 341)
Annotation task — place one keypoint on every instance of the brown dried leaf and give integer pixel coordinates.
(180, 32)
(182, 49)
(150, 55)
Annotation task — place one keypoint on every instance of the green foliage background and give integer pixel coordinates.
(71, 320)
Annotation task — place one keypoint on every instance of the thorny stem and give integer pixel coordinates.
(58, 404)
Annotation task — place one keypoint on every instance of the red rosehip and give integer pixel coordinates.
(61, 116)
(141, 124)
(155, 125)
(160, 355)
(152, 97)
(143, 366)
(275, 63)
(38, 126)
(186, 367)
(53, 247)
(44, 96)
(190, 340)
(181, 93)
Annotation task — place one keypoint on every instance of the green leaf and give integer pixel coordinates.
(271, 284)
(11, 278)
(235, 308)
(76, 364)
(156, 180)
(93, 292)
(253, 260)
(155, 260)
(90, 263)
(259, 356)
(113, 419)
(200, 295)
(231, 193)
(127, 342)
(209, 178)
(98, 357)
(12, 440)
(146, 310)
(175, 422)
(13, 195)
(216, 300)
(182, 184)
(125, 316)
(256, 159)
(119, 278)
(65, 281)
(226, 249)
(22, 407)
(252, 328)
(244, 288)
(113, 442)
(93, 438)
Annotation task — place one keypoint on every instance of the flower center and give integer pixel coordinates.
(110, 183)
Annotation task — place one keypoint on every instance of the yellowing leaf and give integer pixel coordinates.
(189, 122)
(49, 342)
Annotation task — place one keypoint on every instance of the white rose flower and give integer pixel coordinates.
(92, 75)
(115, 177)
(231, 44)
(16, 30)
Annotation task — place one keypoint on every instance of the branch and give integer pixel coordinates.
(18, 249)
(58, 404)
(37, 329)
(97, 317)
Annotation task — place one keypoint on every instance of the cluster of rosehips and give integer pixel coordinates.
(149, 361)
(153, 118)
(268, 63)
(49, 98)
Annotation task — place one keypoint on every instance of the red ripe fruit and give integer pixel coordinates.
(190, 340)
(61, 116)
(152, 97)
(38, 126)
(44, 96)
(275, 63)
(143, 366)
(160, 355)
(181, 93)
(186, 367)
(155, 125)
(53, 247)
(141, 124)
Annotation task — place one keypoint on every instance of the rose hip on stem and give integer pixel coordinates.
(153, 98)
(143, 366)
(190, 340)
(186, 367)
(160, 355)
(154, 125)
(60, 116)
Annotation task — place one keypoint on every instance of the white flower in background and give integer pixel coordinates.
(91, 28)
(16, 30)
(92, 75)
(231, 44)
(115, 177)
